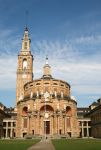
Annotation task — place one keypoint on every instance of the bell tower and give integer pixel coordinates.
(25, 66)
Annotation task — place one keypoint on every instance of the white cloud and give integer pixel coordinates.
(67, 62)
(88, 39)
(8, 65)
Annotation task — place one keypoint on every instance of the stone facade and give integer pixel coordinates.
(2, 115)
(44, 106)
(9, 123)
(25, 66)
(95, 115)
(84, 121)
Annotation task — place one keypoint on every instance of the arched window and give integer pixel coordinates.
(47, 108)
(68, 111)
(25, 110)
(68, 119)
(24, 63)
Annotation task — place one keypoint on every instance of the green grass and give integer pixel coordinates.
(77, 144)
(16, 144)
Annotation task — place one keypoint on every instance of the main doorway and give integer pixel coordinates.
(46, 127)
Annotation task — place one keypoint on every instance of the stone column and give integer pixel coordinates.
(41, 125)
(82, 129)
(0, 133)
(35, 123)
(6, 129)
(11, 135)
(65, 126)
(64, 123)
(61, 124)
(57, 124)
(53, 125)
(29, 124)
(28, 129)
(52, 120)
(87, 130)
(38, 123)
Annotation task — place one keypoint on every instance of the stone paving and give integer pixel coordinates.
(44, 144)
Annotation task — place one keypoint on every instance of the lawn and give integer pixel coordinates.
(77, 144)
(16, 144)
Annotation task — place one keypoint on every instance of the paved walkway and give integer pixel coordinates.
(43, 145)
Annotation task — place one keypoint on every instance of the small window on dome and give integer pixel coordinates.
(46, 83)
(62, 84)
(37, 83)
(55, 83)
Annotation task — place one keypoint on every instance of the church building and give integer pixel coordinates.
(45, 106)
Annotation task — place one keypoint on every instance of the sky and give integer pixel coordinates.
(68, 31)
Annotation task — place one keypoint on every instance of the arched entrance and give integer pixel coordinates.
(68, 121)
(47, 112)
(47, 127)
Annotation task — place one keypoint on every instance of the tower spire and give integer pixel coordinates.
(26, 28)
(46, 59)
(26, 18)
(47, 69)
(26, 41)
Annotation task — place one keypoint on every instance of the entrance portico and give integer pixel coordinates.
(47, 127)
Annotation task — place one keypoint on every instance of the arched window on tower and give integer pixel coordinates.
(24, 63)
(25, 45)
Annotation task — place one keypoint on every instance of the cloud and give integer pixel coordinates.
(67, 62)
(8, 65)
(88, 40)
(9, 42)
